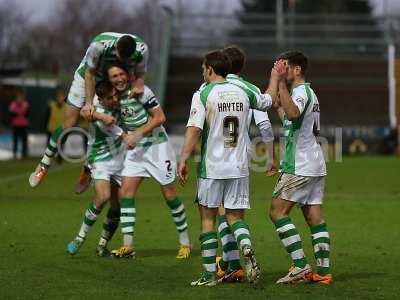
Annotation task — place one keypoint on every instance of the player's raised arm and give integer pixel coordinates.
(141, 69)
(92, 59)
(277, 73)
(291, 110)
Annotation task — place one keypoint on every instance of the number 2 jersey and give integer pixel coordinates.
(221, 110)
(303, 155)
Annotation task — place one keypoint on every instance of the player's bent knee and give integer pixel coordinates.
(234, 215)
(314, 221)
(275, 213)
(169, 192)
(102, 198)
(126, 194)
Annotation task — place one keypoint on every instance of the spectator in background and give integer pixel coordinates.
(19, 109)
(56, 114)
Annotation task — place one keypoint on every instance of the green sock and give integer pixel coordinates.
(291, 240)
(242, 234)
(51, 149)
(321, 243)
(209, 246)
(127, 220)
(89, 219)
(230, 251)
(179, 216)
(110, 225)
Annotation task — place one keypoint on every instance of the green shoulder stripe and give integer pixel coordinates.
(252, 96)
(104, 37)
(205, 92)
(251, 87)
(297, 123)
(289, 161)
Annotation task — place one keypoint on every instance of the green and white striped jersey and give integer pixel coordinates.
(134, 114)
(103, 144)
(221, 110)
(102, 51)
(303, 155)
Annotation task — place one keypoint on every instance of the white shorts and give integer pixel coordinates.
(109, 170)
(76, 95)
(157, 161)
(303, 190)
(232, 193)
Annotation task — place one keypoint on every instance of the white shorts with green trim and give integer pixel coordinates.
(157, 161)
(76, 95)
(232, 193)
(109, 170)
(303, 190)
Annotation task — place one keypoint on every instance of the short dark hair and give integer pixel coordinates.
(295, 58)
(126, 46)
(103, 88)
(237, 58)
(219, 61)
(113, 64)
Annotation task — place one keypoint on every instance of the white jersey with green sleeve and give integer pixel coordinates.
(261, 118)
(221, 110)
(303, 155)
(134, 114)
(102, 51)
(104, 143)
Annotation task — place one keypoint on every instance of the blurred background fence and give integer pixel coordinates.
(349, 63)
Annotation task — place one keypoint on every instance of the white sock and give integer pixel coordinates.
(184, 238)
(128, 240)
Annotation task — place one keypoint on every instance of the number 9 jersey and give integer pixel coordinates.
(221, 110)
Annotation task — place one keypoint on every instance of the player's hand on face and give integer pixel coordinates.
(183, 172)
(87, 111)
(280, 68)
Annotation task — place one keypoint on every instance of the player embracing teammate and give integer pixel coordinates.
(113, 67)
(218, 117)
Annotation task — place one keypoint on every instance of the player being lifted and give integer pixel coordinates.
(106, 154)
(151, 156)
(302, 180)
(219, 115)
(105, 48)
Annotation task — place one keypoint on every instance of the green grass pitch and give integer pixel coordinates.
(362, 207)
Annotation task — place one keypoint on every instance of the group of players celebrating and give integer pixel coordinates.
(128, 143)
